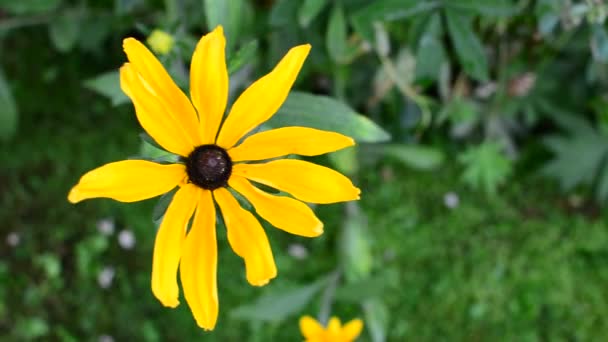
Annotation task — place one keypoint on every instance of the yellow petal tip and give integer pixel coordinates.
(74, 196)
(170, 303)
(128, 41)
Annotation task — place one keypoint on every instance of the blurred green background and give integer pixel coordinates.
(483, 142)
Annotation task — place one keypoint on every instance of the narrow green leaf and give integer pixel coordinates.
(416, 156)
(244, 55)
(275, 307)
(326, 113)
(376, 319)
(468, 47)
(8, 110)
(108, 85)
(429, 57)
(309, 10)
(335, 40)
(355, 250)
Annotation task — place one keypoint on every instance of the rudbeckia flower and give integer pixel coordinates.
(313, 331)
(217, 159)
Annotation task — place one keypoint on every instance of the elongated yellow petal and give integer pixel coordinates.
(154, 116)
(282, 212)
(209, 82)
(169, 244)
(289, 140)
(352, 330)
(247, 239)
(162, 86)
(305, 181)
(310, 328)
(263, 98)
(198, 268)
(128, 181)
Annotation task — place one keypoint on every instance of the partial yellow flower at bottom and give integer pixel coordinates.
(313, 331)
(160, 41)
(213, 166)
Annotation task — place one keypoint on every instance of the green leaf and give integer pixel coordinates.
(8, 110)
(309, 10)
(431, 53)
(355, 251)
(345, 160)
(283, 13)
(108, 85)
(599, 43)
(365, 289)
(64, 31)
(416, 156)
(31, 328)
(335, 40)
(388, 10)
(376, 319)
(485, 167)
(326, 113)
(161, 207)
(244, 55)
(496, 8)
(276, 307)
(19, 7)
(468, 47)
(229, 14)
(579, 157)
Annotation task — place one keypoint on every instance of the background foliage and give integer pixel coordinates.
(483, 141)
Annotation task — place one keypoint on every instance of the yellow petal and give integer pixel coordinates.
(263, 98)
(169, 244)
(209, 83)
(334, 326)
(289, 140)
(305, 181)
(282, 212)
(128, 181)
(198, 267)
(161, 84)
(154, 116)
(247, 239)
(352, 330)
(310, 328)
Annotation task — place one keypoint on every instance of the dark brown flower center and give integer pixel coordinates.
(209, 167)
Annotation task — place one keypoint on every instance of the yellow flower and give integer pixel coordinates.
(213, 166)
(335, 332)
(160, 41)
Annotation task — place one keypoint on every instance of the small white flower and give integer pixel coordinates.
(105, 277)
(297, 251)
(13, 239)
(451, 200)
(105, 338)
(126, 239)
(106, 226)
